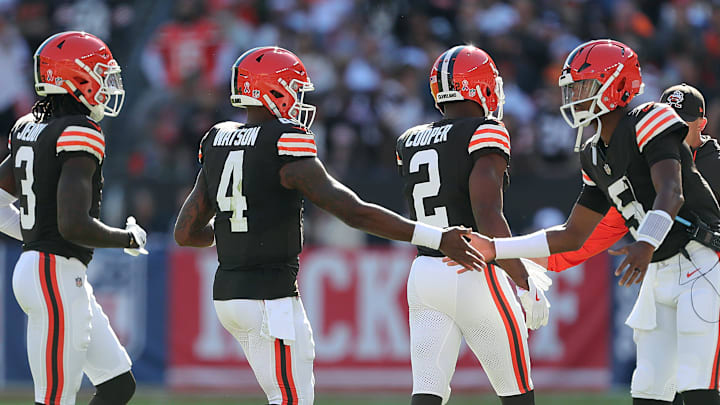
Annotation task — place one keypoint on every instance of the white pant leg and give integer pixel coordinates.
(656, 364)
(58, 323)
(283, 369)
(434, 336)
(493, 325)
(682, 352)
(698, 322)
(106, 356)
(483, 307)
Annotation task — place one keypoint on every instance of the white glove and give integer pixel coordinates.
(537, 307)
(537, 273)
(139, 235)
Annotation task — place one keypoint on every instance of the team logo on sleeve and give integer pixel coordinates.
(676, 98)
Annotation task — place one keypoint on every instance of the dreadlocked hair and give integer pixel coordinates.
(56, 105)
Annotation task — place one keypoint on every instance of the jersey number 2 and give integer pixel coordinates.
(27, 212)
(236, 201)
(430, 188)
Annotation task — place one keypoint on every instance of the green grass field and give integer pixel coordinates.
(147, 398)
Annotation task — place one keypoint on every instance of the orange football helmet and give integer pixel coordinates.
(80, 64)
(604, 72)
(275, 78)
(466, 72)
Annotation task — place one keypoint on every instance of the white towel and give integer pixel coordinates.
(643, 314)
(280, 318)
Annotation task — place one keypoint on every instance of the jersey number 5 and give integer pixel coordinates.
(27, 210)
(427, 189)
(233, 199)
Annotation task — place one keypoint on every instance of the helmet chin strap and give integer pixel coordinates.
(593, 139)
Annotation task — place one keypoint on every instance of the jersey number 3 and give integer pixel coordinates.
(27, 210)
(430, 188)
(233, 199)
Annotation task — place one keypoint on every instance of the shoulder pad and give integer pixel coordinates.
(653, 120)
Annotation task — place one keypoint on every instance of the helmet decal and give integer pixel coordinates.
(466, 72)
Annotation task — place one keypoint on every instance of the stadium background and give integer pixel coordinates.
(369, 62)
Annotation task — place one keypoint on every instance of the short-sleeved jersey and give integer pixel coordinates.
(621, 176)
(435, 161)
(707, 161)
(38, 150)
(258, 222)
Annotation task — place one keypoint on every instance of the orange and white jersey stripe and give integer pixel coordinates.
(82, 139)
(587, 180)
(657, 120)
(490, 136)
(297, 144)
(397, 157)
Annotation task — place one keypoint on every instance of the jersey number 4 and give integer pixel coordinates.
(430, 188)
(27, 210)
(229, 196)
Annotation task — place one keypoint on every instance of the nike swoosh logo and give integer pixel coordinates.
(691, 273)
(536, 296)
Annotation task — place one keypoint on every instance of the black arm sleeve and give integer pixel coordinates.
(592, 197)
(708, 164)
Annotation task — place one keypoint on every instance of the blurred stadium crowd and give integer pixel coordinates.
(369, 61)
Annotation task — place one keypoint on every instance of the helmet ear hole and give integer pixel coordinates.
(621, 85)
(276, 94)
(487, 92)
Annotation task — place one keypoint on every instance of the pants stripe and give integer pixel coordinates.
(283, 371)
(56, 329)
(517, 351)
(716, 363)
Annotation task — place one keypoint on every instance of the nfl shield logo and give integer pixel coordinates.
(78, 282)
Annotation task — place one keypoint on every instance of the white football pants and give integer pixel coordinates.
(283, 368)
(682, 352)
(67, 332)
(479, 306)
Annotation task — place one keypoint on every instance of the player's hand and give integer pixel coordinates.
(637, 259)
(482, 244)
(455, 245)
(536, 305)
(139, 235)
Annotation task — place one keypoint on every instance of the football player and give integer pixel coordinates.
(55, 168)
(253, 179)
(637, 162)
(689, 103)
(454, 172)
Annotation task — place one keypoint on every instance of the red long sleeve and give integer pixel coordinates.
(610, 230)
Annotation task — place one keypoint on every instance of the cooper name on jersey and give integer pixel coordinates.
(425, 135)
(236, 137)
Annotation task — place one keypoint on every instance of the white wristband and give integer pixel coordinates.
(654, 227)
(427, 235)
(532, 245)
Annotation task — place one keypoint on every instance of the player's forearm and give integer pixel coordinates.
(376, 220)
(90, 232)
